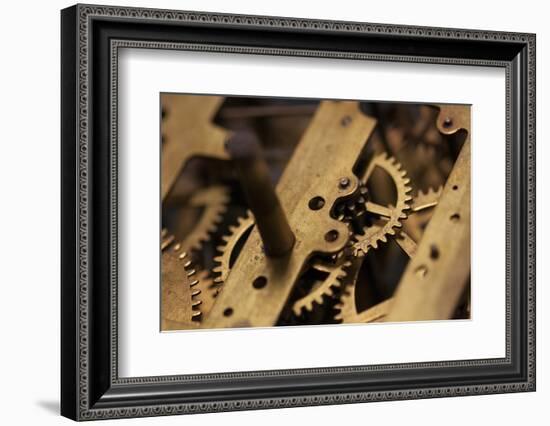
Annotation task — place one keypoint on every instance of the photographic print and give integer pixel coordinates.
(289, 212)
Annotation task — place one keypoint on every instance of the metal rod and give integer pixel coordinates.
(245, 152)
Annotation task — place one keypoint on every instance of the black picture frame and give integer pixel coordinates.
(90, 386)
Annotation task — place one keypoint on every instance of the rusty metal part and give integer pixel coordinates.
(372, 235)
(258, 287)
(324, 289)
(212, 203)
(188, 132)
(270, 218)
(436, 277)
(180, 303)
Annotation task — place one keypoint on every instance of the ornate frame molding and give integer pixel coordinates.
(91, 400)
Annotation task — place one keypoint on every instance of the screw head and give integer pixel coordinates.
(448, 122)
(344, 182)
(346, 120)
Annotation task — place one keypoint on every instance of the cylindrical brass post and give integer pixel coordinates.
(244, 149)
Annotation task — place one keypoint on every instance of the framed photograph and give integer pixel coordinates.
(263, 212)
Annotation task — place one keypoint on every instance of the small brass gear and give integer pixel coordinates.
(393, 215)
(180, 295)
(353, 208)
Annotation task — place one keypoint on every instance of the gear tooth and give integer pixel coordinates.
(196, 315)
(383, 239)
(191, 272)
(193, 283)
(218, 280)
(195, 293)
(187, 264)
(196, 303)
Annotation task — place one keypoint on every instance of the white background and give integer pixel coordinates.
(143, 351)
(29, 224)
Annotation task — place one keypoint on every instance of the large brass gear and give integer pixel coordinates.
(180, 295)
(394, 215)
(324, 289)
(346, 309)
(230, 243)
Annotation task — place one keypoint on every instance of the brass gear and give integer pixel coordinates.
(323, 289)
(230, 243)
(394, 215)
(424, 200)
(209, 290)
(180, 296)
(346, 309)
(213, 201)
(353, 208)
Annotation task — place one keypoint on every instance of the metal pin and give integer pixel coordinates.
(277, 237)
